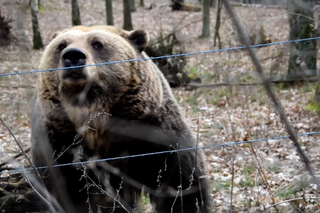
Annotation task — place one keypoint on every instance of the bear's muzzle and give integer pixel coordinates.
(73, 57)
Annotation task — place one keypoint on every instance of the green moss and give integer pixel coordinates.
(196, 72)
(248, 170)
(247, 182)
(218, 185)
(281, 86)
(291, 190)
(191, 99)
(313, 106)
(41, 8)
(144, 202)
(193, 72)
(273, 167)
(307, 87)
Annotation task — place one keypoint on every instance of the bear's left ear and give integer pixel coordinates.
(55, 35)
(139, 38)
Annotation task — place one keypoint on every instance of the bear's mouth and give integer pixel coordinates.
(73, 74)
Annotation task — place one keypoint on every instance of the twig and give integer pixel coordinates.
(27, 202)
(19, 145)
(16, 87)
(297, 14)
(7, 168)
(16, 156)
(234, 156)
(293, 199)
(272, 96)
(263, 175)
(10, 185)
(237, 4)
(28, 159)
(37, 188)
(200, 85)
(176, 29)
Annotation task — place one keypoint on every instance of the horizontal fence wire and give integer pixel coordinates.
(162, 152)
(160, 57)
(155, 58)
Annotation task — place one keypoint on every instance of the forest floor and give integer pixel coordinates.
(264, 176)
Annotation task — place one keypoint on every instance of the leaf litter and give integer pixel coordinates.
(263, 176)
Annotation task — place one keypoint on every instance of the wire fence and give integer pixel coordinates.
(264, 141)
(162, 152)
(155, 58)
(160, 57)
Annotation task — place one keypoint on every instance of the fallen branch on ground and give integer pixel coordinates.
(200, 85)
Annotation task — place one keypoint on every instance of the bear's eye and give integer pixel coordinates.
(61, 47)
(97, 45)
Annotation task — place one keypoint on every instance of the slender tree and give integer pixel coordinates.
(109, 12)
(127, 24)
(217, 27)
(133, 6)
(141, 3)
(303, 55)
(213, 3)
(76, 20)
(37, 41)
(206, 18)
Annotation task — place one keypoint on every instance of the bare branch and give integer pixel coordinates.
(200, 85)
(16, 156)
(293, 199)
(19, 145)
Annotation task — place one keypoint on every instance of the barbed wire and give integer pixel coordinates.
(160, 57)
(157, 153)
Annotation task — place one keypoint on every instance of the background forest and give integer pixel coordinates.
(220, 92)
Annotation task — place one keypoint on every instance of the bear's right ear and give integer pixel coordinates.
(139, 38)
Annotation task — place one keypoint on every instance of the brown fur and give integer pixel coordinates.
(117, 109)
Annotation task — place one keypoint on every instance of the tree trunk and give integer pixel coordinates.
(303, 55)
(75, 13)
(5, 30)
(316, 98)
(206, 18)
(141, 3)
(217, 27)
(37, 41)
(213, 3)
(127, 25)
(133, 6)
(109, 12)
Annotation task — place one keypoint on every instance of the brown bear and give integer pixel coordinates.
(112, 115)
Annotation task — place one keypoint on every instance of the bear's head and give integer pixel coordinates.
(81, 46)
(88, 47)
(97, 86)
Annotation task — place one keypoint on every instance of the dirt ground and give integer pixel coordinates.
(263, 176)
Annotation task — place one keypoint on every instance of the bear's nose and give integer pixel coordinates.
(74, 57)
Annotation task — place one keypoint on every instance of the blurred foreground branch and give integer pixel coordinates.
(267, 83)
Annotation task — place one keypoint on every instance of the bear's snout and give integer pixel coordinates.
(73, 57)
